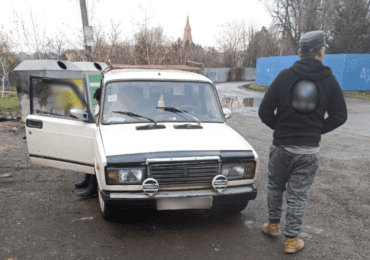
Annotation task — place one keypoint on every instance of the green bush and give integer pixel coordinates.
(9, 104)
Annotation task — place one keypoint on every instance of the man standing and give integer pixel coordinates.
(97, 96)
(302, 94)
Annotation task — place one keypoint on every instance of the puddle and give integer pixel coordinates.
(241, 102)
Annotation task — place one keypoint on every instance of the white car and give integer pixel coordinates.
(161, 140)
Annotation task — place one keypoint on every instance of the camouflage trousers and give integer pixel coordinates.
(294, 173)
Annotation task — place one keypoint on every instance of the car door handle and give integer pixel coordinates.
(34, 123)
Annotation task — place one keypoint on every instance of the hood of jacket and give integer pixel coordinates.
(311, 69)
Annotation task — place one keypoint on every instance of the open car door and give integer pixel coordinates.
(55, 136)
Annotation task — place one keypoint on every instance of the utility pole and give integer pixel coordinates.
(85, 22)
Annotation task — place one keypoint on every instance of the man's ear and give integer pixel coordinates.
(322, 51)
(299, 52)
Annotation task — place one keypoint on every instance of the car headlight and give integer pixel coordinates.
(239, 170)
(132, 175)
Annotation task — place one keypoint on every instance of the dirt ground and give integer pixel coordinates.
(42, 218)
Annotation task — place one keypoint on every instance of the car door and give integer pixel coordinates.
(54, 137)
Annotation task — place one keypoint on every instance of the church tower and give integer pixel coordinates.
(187, 33)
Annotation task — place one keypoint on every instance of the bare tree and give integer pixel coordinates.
(29, 35)
(181, 52)
(231, 41)
(114, 40)
(263, 43)
(151, 46)
(292, 18)
(5, 59)
(212, 58)
(350, 32)
(55, 47)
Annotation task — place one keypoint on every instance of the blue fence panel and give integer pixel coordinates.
(351, 70)
(337, 63)
(356, 75)
(268, 68)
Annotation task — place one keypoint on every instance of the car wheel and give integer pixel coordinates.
(107, 211)
(84, 183)
(90, 190)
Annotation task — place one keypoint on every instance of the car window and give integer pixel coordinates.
(143, 98)
(55, 99)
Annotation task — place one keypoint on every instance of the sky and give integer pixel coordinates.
(205, 16)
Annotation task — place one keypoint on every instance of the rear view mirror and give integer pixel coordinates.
(79, 114)
(227, 113)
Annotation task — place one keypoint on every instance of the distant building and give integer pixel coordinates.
(187, 33)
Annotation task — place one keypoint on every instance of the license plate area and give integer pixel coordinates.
(184, 203)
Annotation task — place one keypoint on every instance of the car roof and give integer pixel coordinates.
(153, 74)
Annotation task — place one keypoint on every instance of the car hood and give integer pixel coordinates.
(125, 139)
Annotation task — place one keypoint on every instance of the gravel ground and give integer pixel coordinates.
(42, 218)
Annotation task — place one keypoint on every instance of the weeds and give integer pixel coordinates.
(352, 94)
(256, 87)
(9, 104)
(357, 94)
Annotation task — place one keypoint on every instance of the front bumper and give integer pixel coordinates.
(231, 195)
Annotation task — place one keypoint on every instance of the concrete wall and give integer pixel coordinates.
(216, 74)
(249, 74)
(351, 70)
(222, 74)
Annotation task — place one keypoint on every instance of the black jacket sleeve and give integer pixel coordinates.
(337, 111)
(269, 104)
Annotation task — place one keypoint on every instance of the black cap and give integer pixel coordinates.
(312, 41)
(97, 94)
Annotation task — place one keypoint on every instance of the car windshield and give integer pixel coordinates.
(144, 98)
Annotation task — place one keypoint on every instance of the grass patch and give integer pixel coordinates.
(352, 94)
(256, 87)
(357, 94)
(9, 104)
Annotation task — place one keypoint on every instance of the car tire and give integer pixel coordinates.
(84, 183)
(107, 212)
(90, 190)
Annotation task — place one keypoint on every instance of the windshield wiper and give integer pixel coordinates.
(155, 126)
(184, 126)
(178, 110)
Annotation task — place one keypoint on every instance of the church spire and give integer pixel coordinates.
(187, 33)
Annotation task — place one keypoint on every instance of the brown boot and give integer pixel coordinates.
(271, 229)
(292, 245)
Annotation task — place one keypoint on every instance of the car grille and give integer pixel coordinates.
(184, 172)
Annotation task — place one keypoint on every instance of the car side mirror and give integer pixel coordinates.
(227, 113)
(79, 114)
